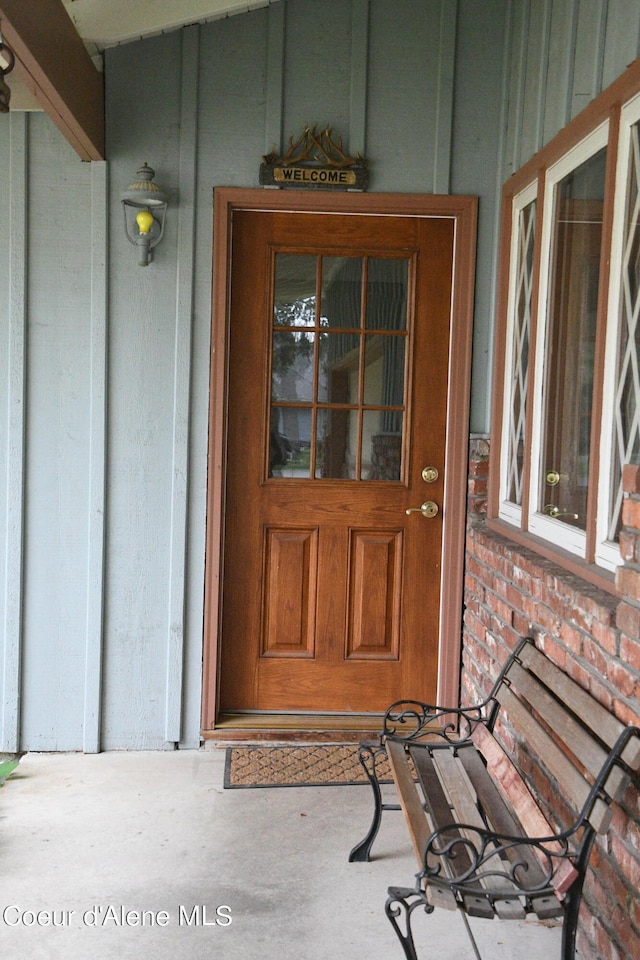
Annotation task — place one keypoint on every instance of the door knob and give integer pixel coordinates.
(428, 509)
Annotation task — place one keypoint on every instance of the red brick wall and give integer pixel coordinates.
(511, 591)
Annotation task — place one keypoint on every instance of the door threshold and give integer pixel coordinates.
(295, 726)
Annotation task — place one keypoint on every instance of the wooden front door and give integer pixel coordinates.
(339, 409)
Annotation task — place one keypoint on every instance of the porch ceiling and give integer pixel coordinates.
(58, 46)
(103, 23)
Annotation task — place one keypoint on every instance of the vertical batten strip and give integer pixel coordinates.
(502, 173)
(359, 77)
(588, 59)
(17, 305)
(97, 461)
(542, 73)
(444, 108)
(557, 82)
(518, 27)
(182, 380)
(276, 26)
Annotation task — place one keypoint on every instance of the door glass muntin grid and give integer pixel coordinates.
(338, 366)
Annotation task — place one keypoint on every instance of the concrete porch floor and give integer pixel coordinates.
(90, 838)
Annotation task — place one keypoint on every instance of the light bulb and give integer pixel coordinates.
(144, 221)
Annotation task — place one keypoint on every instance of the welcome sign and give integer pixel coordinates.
(315, 160)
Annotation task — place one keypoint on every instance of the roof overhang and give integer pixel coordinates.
(54, 65)
(54, 42)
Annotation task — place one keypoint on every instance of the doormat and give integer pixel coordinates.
(305, 765)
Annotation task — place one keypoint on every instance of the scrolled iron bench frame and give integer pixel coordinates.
(484, 845)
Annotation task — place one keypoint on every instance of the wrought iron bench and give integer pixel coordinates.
(483, 844)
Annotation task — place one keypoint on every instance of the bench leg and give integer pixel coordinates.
(399, 910)
(573, 899)
(368, 756)
(570, 924)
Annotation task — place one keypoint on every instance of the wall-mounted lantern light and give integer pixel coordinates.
(145, 206)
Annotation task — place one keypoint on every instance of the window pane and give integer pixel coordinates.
(339, 368)
(519, 360)
(570, 344)
(292, 365)
(384, 371)
(341, 298)
(626, 426)
(336, 444)
(381, 448)
(289, 442)
(387, 282)
(295, 290)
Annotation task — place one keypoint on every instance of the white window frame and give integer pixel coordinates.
(608, 121)
(607, 552)
(554, 531)
(508, 510)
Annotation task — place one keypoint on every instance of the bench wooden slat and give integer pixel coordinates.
(579, 701)
(526, 809)
(465, 802)
(563, 723)
(438, 809)
(589, 752)
(501, 817)
(574, 787)
(409, 800)
(417, 825)
(503, 821)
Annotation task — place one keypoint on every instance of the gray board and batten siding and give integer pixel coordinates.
(104, 366)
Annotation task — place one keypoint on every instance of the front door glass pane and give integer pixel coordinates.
(339, 363)
(570, 345)
(338, 390)
(292, 377)
(382, 450)
(295, 290)
(387, 282)
(335, 451)
(341, 294)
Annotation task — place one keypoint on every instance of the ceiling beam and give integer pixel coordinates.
(54, 65)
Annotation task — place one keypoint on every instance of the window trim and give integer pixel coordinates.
(607, 553)
(561, 535)
(602, 116)
(509, 511)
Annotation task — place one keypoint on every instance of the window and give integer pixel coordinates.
(621, 403)
(517, 374)
(338, 358)
(567, 351)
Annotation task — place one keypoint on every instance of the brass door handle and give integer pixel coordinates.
(552, 511)
(428, 509)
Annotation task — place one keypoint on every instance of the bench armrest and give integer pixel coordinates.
(412, 721)
(470, 858)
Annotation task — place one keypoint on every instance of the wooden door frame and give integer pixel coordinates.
(463, 209)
